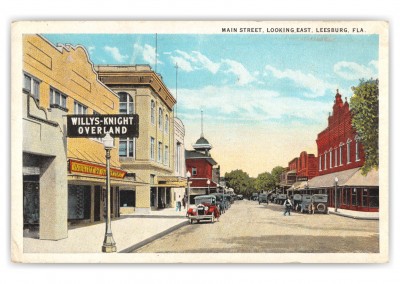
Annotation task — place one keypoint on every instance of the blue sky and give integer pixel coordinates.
(264, 97)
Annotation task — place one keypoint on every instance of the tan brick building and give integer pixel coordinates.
(150, 156)
(57, 81)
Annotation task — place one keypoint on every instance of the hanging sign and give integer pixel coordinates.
(118, 125)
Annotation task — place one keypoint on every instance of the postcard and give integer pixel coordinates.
(200, 142)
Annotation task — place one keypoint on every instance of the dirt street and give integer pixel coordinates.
(250, 227)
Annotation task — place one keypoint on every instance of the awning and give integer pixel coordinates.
(328, 180)
(129, 182)
(371, 179)
(298, 185)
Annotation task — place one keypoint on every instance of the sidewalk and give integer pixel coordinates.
(129, 231)
(354, 214)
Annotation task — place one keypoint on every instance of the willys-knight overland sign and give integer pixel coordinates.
(118, 125)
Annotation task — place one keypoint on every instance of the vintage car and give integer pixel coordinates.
(222, 202)
(280, 198)
(205, 208)
(239, 197)
(263, 198)
(254, 196)
(305, 203)
(273, 197)
(320, 203)
(297, 201)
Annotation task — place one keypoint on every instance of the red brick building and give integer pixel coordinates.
(340, 157)
(200, 165)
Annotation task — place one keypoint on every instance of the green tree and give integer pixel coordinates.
(364, 105)
(240, 181)
(276, 173)
(264, 182)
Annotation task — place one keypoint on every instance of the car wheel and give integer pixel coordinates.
(321, 207)
(191, 221)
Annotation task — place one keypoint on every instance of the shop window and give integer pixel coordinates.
(58, 99)
(364, 198)
(127, 198)
(31, 86)
(373, 198)
(354, 200)
(79, 200)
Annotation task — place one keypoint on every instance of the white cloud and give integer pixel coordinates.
(182, 63)
(115, 53)
(251, 105)
(146, 52)
(194, 61)
(242, 75)
(91, 49)
(317, 86)
(354, 71)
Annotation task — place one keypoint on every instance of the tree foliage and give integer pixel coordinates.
(264, 182)
(364, 105)
(240, 181)
(276, 173)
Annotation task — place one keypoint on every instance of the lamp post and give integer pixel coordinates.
(108, 243)
(336, 182)
(208, 184)
(188, 175)
(306, 186)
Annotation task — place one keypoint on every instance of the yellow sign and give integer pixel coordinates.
(92, 169)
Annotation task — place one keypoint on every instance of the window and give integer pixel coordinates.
(159, 152)
(348, 151)
(126, 105)
(79, 108)
(340, 154)
(166, 123)
(325, 161)
(58, 99)
(160, 119)
(357, 148)
(320, 163)
(152, 148)
(153, 112)
(166, 155)
(194, 171)
(31, 86)
(126, 147)
(330, 158)
(335, 157)
(178, 158)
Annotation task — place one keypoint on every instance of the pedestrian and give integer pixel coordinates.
(288, 205)
(184, 202)
(311, 208)
(178, 204)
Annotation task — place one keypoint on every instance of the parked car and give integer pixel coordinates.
(254, 196)
(221, 202)
(297, 202)
(239, 197)
(205, 208)
(320, 203)
(263, 198)
(273, 197)
(305, 202)
(280, 198)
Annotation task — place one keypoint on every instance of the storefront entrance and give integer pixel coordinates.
(31, 200)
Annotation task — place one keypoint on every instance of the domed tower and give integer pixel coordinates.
(202, 144)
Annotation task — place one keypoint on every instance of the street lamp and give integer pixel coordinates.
(188, 175)
(336, 182)
(208, 183)
(108, 243)
(306, 186)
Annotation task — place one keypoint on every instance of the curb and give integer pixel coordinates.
(353, 217)
(153, 238)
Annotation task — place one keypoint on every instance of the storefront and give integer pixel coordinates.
(354, 191)
(87, 193)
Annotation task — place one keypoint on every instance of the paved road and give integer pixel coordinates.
(248, 227)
